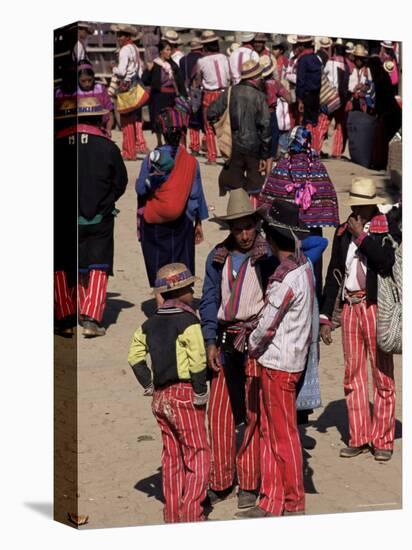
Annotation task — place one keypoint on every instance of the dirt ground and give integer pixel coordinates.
(119, 444)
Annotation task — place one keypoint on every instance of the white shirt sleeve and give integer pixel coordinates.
(121, 68)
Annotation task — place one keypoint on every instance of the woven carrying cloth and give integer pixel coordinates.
(389, 316)
(304, 180)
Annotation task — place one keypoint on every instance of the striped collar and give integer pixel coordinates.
(175, 306)
(291, 263)
(259, 250)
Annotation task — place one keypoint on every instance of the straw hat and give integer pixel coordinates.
(349, 47)
(339, 42)
(389, 66)
(260, 37)
(66, 108)
(292, 38)
(126, 29)
(90, 106)
(360, 51)
(325, 42)
(173, 276)
(234, 46)
(208, 36)
(363, 192)
(250, 69)
(283, 216)
(247, 36)
(267, 65)
(86, 26)
(238, 206)
(195, 44)
(302, 38)
(172, 37)
(388, 44)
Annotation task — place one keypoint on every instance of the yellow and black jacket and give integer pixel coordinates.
(173, 339)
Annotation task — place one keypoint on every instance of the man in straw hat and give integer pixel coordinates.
(360, 79)
(388, 57)
(360, 252)
(237, 271)
(173, 338)
(79, 51)
(259, 44)
(324, 50)
(242, 54)
(250, 127)
(280, 343)
(129, 70)
(214, 75)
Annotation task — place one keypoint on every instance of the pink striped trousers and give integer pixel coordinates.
(64, 297)
(208, 98)
(319, 131)
(128, 124)
(225, 461)
(359, 341)
(339, 133)
(281, 452)
(185, 455)
(141, 146)
(92, 293)
(194, 134)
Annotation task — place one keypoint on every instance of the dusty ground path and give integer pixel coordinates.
(119, 442)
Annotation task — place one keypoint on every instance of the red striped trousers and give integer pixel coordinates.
(194, 134)
(208, 98)
(185, 455)
(141, 146)
(225, 460)
(64, 297)
(92, 293)
(359, 341)
(319, 131)
(128, 125)
(281, 452)
(339, 133)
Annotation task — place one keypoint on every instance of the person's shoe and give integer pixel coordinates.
(255, 512)
(382, 455)
(213, 497)
(295, 513)
(92, 328)
(246, 499)
(350, 452)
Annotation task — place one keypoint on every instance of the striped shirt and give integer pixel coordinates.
(236, 60)
(214, 70)
(282, 338)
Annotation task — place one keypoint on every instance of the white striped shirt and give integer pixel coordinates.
(282, 338)
(236, 60)
(214, 70)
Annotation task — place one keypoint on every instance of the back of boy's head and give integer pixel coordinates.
(281, 241)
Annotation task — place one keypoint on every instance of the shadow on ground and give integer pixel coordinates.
(335, 415)
(152, 486)
(43, 508)
(113, 308)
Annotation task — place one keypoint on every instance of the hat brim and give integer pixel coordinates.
(223, 220)
(353, 201)
(386, 46)
(208, 40)
(285, 230)
(254, 74)
(268, 72)
(100, 113)
(182, 284)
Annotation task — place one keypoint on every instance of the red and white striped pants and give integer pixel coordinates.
(339, 134)
(185, 455)
(281, 452)
(92, 293)
(359, 341)
(225, 461)
(208, 98)
(141, 146)
(319, 131)
(194, 145)
(64, 297)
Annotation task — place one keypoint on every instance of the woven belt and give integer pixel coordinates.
(355, 297)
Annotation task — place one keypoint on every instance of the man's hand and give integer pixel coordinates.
(198, 233)
(355, 225)
(326, 334)
(213, 357)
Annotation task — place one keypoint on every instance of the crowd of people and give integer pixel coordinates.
(250, 357)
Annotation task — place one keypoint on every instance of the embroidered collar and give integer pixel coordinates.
(258, 251)
(291, 263)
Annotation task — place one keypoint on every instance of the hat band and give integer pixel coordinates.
(252, 70)
(359, 196)
(172, 280)
(91, 109)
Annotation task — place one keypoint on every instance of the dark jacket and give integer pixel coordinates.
(249, 119)
(152, 78)
(308, 76)
(187, 64)
(380, 259)
(102, 175)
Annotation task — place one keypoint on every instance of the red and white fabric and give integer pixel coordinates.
(128, 125)
(214, 71)
(194, 136)
(208, 98)
(281, 452)
(185, 454)
(141, 146)
(225, 461)
(64, 305)
(237, 58)
(92, 294)
(359, 342)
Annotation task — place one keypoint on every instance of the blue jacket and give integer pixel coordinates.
(308, 75)
(312, 247)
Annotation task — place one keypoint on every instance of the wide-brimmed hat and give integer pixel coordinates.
(325, 42)
(283, 217)
(389, 66)
(208, 36)
(66, 108)
(172, 37)
(90, 106)
(292, 38)
(238, 206)
(267, 65)
(303, 38)
(260, 37)
(125, 29)
(250, 69)
(247, 36)
(234, 46)
(86, 26)
(388, 44)
(363, 192)
(172, 277)
(360, 51)
(350, 46)
(339, 42)
(195, 44)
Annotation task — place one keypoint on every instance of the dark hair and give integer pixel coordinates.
(87, 72)
(173, 136)
(279, 47)
(281, 241)
(163, 44)
(91, 120)
(339, 49)
(212, 46)
(173, 294)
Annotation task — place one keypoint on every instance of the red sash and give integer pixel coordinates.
(169, 201)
